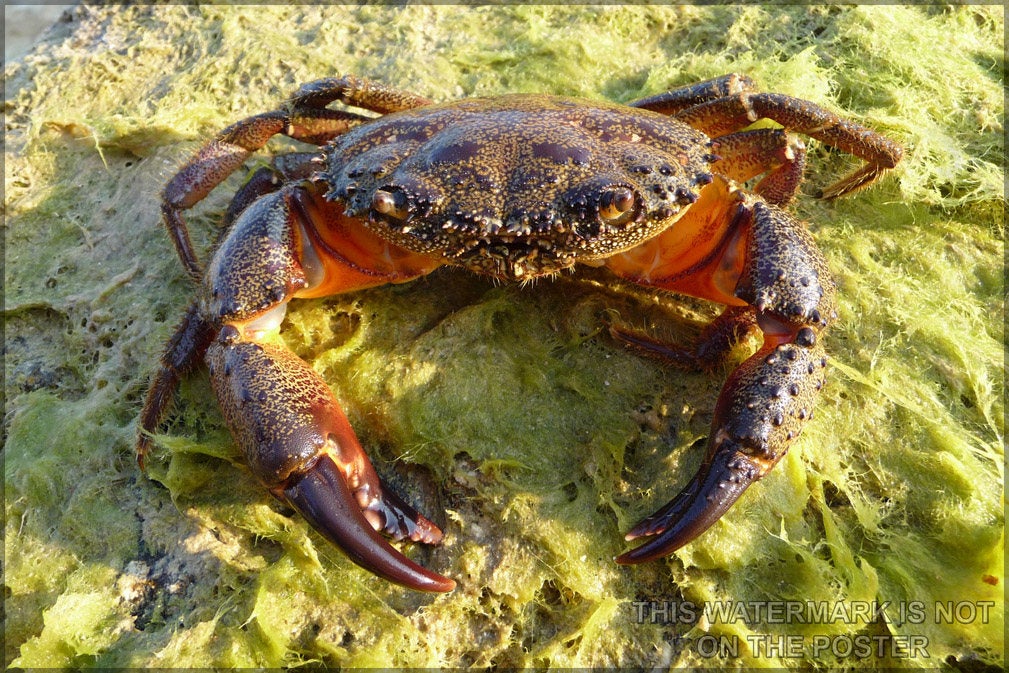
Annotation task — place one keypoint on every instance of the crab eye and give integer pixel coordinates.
(616, 205)
(392, 205)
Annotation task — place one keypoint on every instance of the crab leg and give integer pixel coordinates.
(307, 120)
(726, 114)
(184, 352)
(756, 257)
(730, 103)
(282, 169)
(223, 155)
(733, 325)
(676, 100)
(358, 92)
(296, 440)
(774, 153)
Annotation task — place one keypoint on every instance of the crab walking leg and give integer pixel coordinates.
(306, 119)
(359, 92)
(779, 155)
(223, 155)
(730, 103)
(733, 325)
(184, 352)
(725, 115)
(675, 100)
(748, 254)
(282, 169)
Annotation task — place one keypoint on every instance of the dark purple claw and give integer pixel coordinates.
(709, 495)
(322, 496)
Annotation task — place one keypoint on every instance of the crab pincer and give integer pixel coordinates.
(769, 273)
(293, 434)
(760, 411)
(299, 444)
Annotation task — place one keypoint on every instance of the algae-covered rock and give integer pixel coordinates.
(505, 412)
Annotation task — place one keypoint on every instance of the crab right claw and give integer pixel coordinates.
(298, 442)
(713, 490)
(760, 411)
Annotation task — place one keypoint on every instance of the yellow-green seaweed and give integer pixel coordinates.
(504, 411)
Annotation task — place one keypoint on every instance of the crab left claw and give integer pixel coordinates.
(299, 443)
(322, 497)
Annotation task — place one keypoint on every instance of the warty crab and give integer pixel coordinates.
(515, 187)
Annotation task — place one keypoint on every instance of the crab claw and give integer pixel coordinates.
(709, 495)
(324, 499)
(760, 411)
(299, 443)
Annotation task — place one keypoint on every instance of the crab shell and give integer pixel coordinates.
(518, 186)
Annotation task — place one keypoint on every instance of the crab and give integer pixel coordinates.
(515, 187)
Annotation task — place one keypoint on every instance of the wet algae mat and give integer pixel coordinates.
(505, 412)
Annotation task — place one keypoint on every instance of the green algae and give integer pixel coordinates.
(503, 411)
